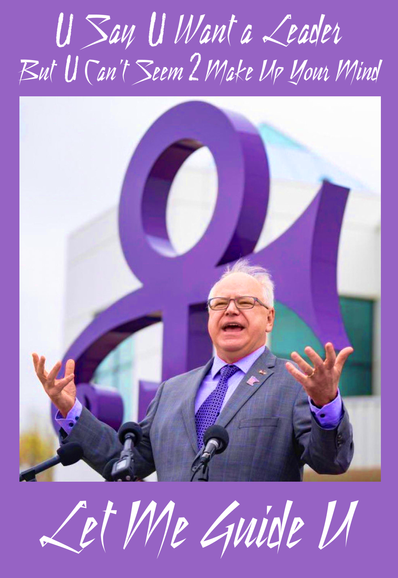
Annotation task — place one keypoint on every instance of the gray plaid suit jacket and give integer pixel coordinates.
(272, 432)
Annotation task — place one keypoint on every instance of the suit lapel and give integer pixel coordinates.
(261, 369)
(188, 407)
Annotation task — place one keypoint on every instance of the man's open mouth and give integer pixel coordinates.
(233, 327)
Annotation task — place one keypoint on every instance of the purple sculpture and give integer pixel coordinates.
(303, 261)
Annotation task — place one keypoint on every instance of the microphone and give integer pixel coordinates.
(68, 454)
(130, 431)
(216, 441)
(130, 435)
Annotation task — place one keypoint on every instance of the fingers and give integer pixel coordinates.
(343, 356)
(330, 356)
(320, 383)
(49, 379)
(40, 369)
(61, 383)
(315, 358)
(300, 377)
(54, 372)
(35, 358)
(303, 365)
(69, 367)
(330, 362)
(62, 398)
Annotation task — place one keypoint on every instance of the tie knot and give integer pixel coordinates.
(228, 371)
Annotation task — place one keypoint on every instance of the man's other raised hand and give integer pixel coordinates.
(62, 392)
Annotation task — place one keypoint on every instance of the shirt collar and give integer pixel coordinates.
(244, 364)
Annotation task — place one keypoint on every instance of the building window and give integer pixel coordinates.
(116, 370)
(292, 334)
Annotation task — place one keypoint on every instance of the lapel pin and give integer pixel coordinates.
(262, 371)
(252, 380)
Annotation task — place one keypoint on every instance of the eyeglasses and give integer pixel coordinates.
(245, 302)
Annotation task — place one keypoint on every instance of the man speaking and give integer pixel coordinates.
(279, 415)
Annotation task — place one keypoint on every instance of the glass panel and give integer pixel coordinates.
(116, 370)
(292, 334)
(358, 320)
(125, 351)
(125, 387)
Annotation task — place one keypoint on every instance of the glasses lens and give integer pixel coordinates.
(245, 302)
(218, 303)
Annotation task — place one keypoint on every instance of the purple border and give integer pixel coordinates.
(32, 513)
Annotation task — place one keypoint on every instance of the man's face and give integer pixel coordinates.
(235, 332)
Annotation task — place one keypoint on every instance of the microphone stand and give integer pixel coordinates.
(28, 476)
(202, 467)
(204, 473)
(67, 455)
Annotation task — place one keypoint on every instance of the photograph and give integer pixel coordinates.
(200, 278)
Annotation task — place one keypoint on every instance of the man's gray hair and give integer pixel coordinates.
(259, 273)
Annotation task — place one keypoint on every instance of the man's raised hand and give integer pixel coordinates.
(322, 380)
(62, 392)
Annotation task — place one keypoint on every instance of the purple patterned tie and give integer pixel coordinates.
(210, 408)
